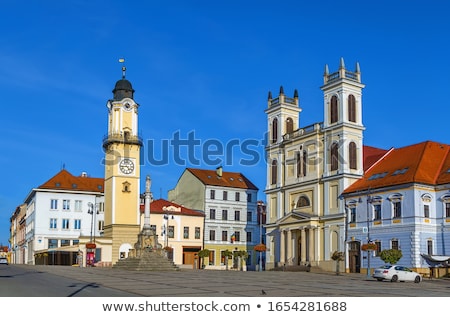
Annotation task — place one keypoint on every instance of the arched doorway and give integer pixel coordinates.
(354, 256)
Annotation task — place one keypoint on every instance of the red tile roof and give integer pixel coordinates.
(156, 207)
(426, 163)
(66, 181)
(371, 155)
(228, 179)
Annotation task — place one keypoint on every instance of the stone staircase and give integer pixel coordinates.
(148, 261)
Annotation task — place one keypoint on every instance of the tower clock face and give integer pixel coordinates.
(126, 166)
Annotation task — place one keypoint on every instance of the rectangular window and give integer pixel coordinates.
(224, 214)
(53, 223)
(237, 215)
(65, 243)
(447, 210)
(224, 236)
(249, 236)
(378, 250)
(52, 243)
(212, 194)
(397, 209)
(197, 232)
(249, 216)
(77, 224)
(377, 212)
(101, 207)
(211, 257)
(430, 247)
(237, 236)
(249, 197)
(212, 214)
(237, 196)
(225, 195)
(353, 214)
(78, 205)
(101, 225)
(54, 204)
(212, 235)
(75, 242)
(65, 224)
(186, 232)
(171, 232)
(426, 211)
(394, 244)
(66, 204)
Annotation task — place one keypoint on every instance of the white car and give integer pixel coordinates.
(396, 273)
(3, 261)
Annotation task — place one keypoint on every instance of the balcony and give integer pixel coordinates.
(123, 138)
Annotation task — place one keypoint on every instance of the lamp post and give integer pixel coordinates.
(369, 201)
(166, 229)
(261, 213)
(91, 212)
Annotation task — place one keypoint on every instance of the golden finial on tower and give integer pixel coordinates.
(124, 69)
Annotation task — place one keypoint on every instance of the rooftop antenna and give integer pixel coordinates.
(124, 69)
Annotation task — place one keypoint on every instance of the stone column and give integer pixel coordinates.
(303, 248)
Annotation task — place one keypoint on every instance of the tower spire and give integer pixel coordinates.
(124, 69)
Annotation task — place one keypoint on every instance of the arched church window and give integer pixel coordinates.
(334, 110)
(274, 172)
(303, 201)
(275, 130)
(334, 157)
(352, 155)
(289, 125)
(351, 108)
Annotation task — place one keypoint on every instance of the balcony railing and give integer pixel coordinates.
(124, 138)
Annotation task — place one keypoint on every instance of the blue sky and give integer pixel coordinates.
(204, 68)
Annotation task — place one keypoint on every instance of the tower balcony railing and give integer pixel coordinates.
(303, 131)
(346, 74)
(123, 138)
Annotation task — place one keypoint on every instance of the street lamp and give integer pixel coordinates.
(261, 213)
(368, 201)
(166, 227)
(92, 211)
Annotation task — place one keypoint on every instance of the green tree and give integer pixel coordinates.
(391, 256)
(338, 256)
(202, 254)
(227, 254)
(243, 255)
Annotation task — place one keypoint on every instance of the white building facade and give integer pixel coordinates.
(404, 205)
(229, 202)
(62, 211)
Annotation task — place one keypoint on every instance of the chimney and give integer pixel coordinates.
(219, 171)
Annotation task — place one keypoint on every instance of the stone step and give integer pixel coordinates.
(148, 261)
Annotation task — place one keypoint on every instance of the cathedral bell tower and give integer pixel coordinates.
(122, 146)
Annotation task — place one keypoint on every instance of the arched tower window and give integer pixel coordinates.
(352, 155)
(334, 157)
(274, 172)
(303, 201)
(289, 125)
(275, 130)
(304, 160)
(334, 110)
(351, 108)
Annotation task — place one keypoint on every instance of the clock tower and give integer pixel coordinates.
(122, 146)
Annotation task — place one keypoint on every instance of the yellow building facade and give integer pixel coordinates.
(308, 168)
(122, 146)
